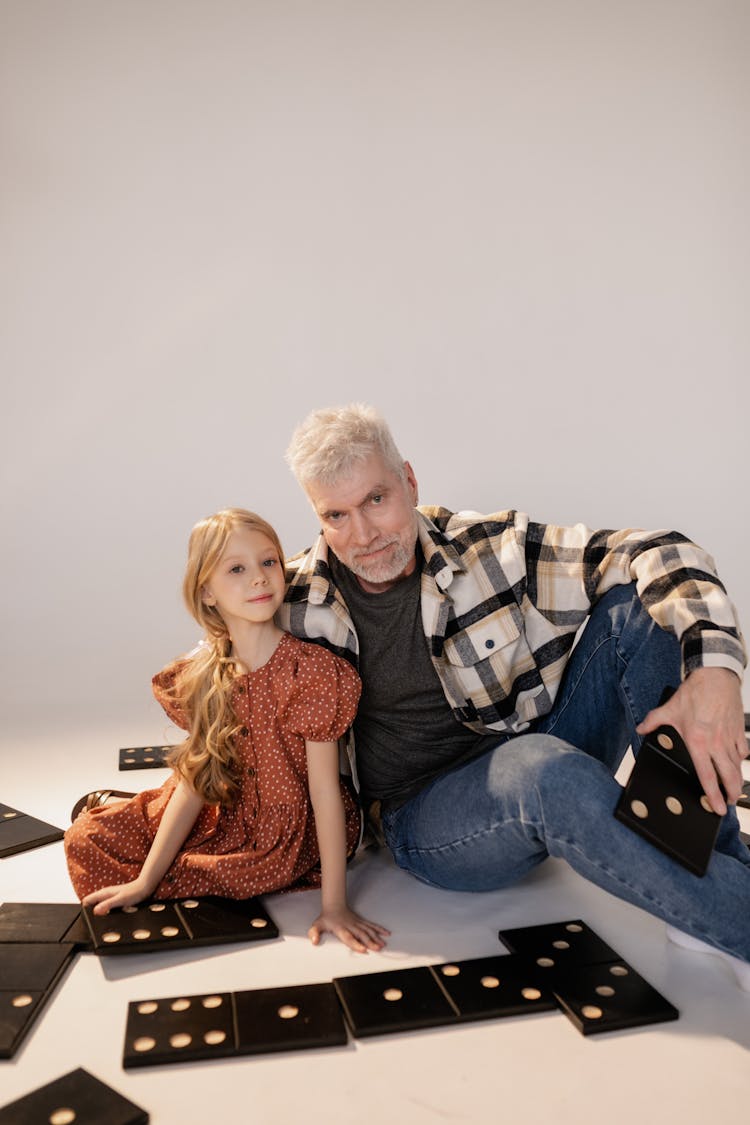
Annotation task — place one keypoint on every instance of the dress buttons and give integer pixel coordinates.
(241, 689)
(244, 732)
(250, 771)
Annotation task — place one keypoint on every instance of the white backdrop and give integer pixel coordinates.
(519, 229)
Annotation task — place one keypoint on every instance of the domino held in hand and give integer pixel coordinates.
(664, 802)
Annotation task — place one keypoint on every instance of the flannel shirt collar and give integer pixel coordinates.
(441, 559)
(312, 573)
(312, 570)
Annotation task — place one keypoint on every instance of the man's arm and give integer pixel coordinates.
(569, 568)
(677, 583)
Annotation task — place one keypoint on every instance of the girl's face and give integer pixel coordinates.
(247, 584)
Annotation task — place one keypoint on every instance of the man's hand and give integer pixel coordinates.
(707, 711)
(359, 934)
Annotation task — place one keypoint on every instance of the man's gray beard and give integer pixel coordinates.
(384, 571)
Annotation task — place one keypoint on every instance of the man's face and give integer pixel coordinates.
(368, 521)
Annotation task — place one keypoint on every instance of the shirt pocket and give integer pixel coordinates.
(496, 635)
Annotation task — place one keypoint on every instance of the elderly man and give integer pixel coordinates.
(485, 739)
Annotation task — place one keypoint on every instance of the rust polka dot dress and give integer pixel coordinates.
(266, 841)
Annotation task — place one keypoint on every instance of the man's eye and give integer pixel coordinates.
(377, 498)
(335, 517)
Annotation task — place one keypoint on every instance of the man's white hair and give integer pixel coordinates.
(331, 441)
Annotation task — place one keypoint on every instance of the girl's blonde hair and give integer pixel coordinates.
(202, 688)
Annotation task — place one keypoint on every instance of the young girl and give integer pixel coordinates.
(255, 803)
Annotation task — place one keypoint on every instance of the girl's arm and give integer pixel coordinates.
(325, 795)
(179, 817)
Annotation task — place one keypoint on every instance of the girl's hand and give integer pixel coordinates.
(107, 898)
(359, 934)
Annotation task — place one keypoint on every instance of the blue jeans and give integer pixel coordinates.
(552, 792)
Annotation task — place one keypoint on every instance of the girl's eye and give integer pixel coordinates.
(270, 562)
(237, 569)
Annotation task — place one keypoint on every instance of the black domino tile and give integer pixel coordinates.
(493, 987)
(401, 1000)
(33, 964)
(662, 802)
(212, 920)
(78, 1093)
(179, 924)
(151, 927)
(20, 832)
(19, 1008)
(28, 975)
(144, 757)
(179, 1029)
(610, 997)
(553, 946)
(293, 1018)
(43, 922)
(80, 935)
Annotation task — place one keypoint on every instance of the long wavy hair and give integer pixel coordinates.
(202, 687)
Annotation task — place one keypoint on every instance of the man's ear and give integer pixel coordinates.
(411, 480)
(207, 597)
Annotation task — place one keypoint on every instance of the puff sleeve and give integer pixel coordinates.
(165, 686)
(324, 696)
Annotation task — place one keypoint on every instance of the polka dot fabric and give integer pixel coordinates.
(266, 842)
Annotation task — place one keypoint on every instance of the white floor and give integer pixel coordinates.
(536, 1068)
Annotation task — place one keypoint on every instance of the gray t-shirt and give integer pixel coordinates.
(405, 731)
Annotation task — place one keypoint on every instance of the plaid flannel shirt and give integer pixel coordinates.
(503, 598)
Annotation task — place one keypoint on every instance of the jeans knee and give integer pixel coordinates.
(527, 764)
(549, 778)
